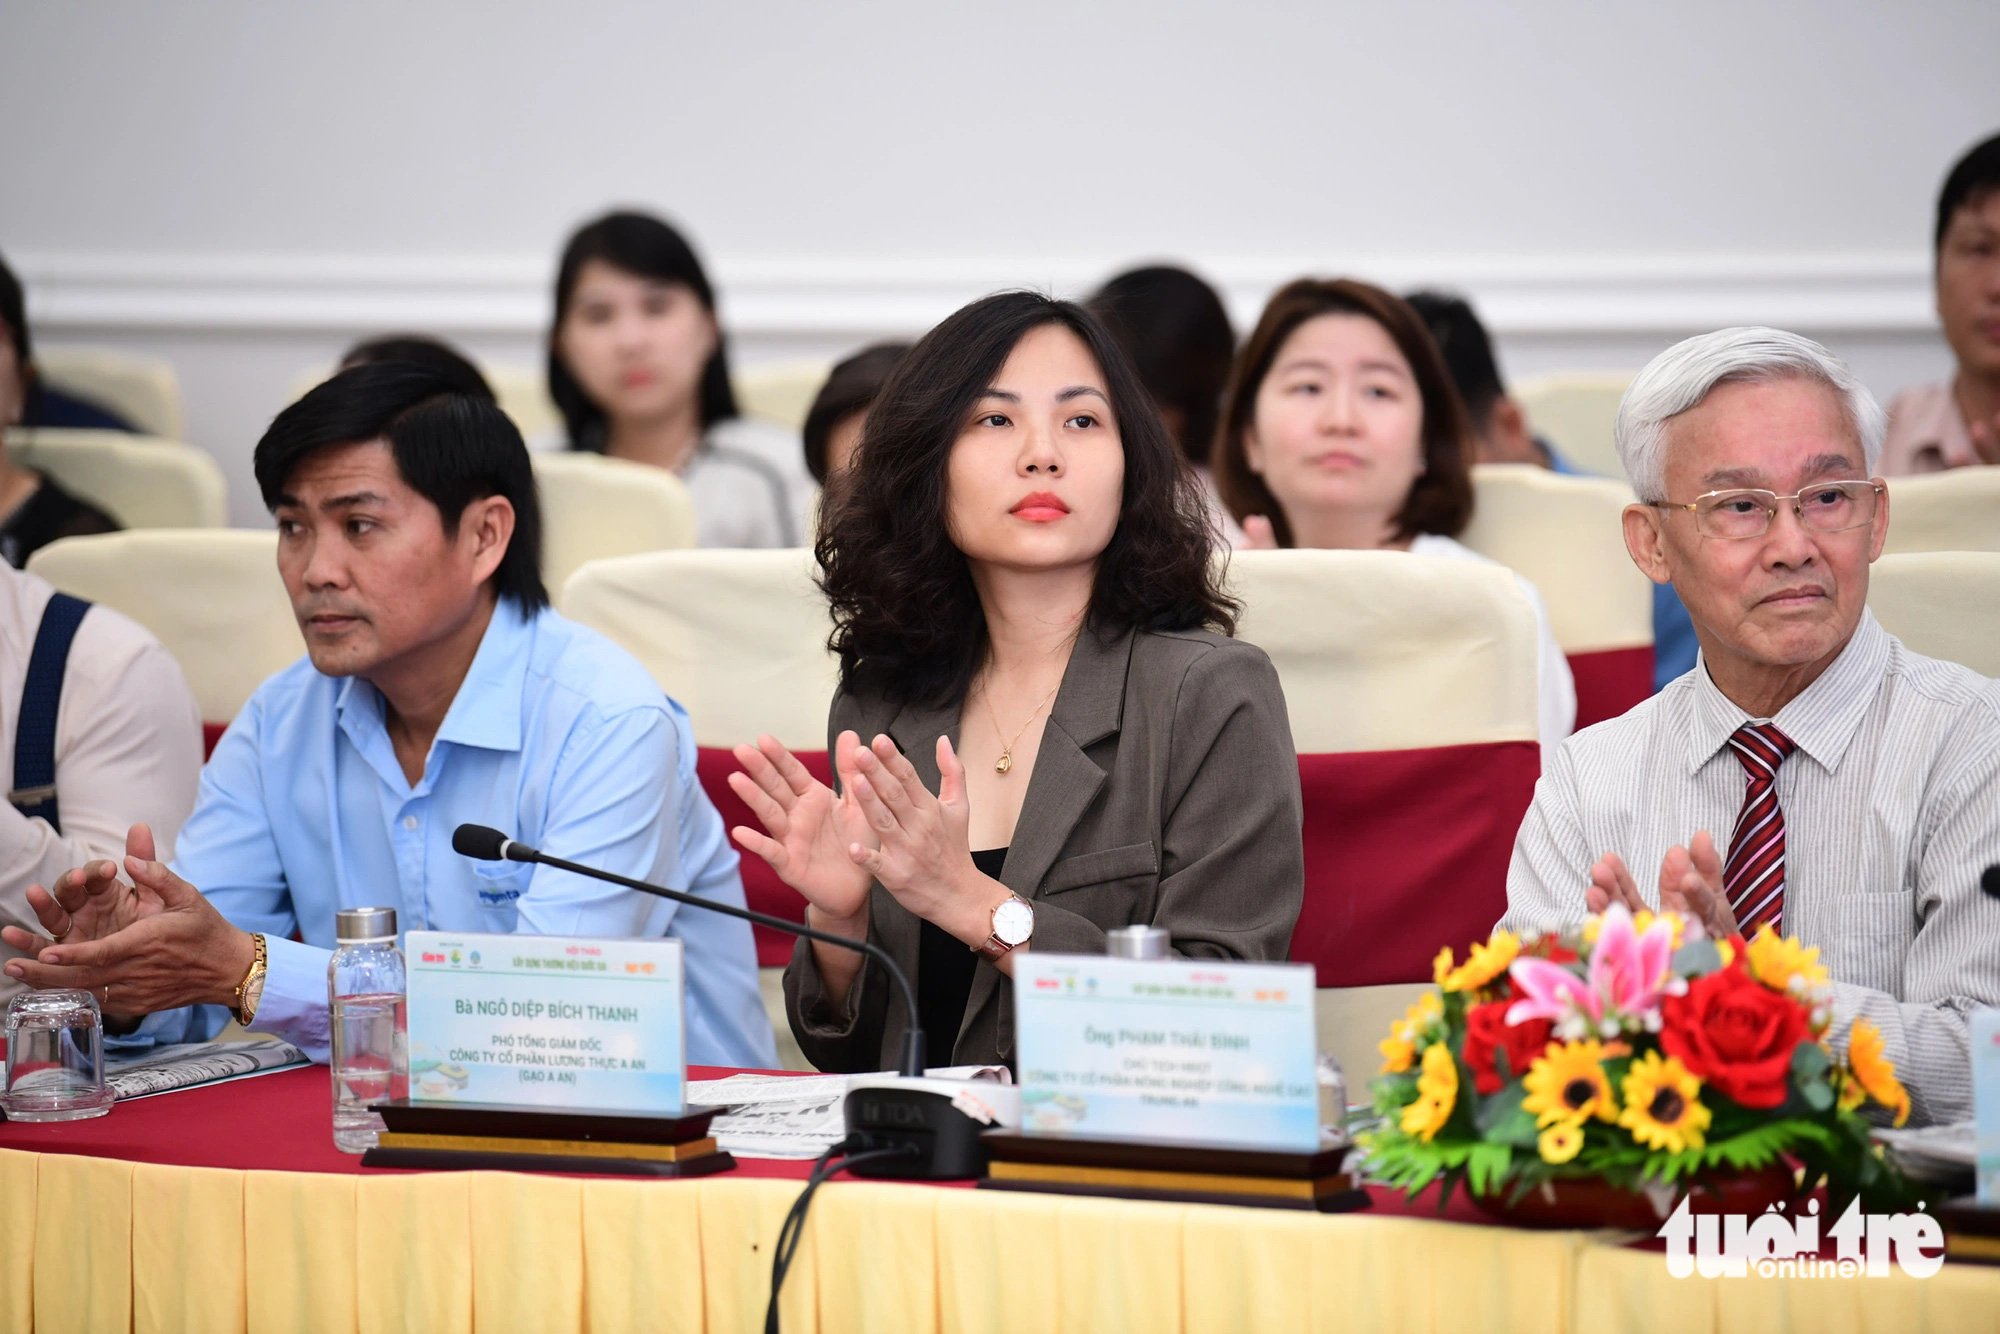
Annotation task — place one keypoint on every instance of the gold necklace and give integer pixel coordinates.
(1006, 760)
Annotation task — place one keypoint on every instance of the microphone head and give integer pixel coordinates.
(1990, 881)
(479, 843)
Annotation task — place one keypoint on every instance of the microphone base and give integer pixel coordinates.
(941, 1119)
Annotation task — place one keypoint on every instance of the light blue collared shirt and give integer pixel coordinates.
(556, 737)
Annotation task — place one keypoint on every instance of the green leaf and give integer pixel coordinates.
(1818, 1096)
(1811, 1062)
(1696, 958)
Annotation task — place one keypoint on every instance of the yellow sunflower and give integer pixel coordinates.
(1566, 1083)
(1560, 1143)
(1875, 1072)
(1441, 966)
(1852, 1095)
(1782, 964)
(1437, 1094)
(1485, 963)
(1661, 1107)
(1399, 1049)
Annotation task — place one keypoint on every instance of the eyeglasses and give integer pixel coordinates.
(1828, 507)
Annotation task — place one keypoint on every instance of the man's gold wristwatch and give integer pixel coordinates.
(251, 989)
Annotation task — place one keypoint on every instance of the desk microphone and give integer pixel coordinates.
(913, 1111)
(1989, 880)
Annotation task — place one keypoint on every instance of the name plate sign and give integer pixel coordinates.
(546, 1021)
(1167, 1049)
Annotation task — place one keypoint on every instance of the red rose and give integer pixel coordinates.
(1486, 1028)
(1736, 1033)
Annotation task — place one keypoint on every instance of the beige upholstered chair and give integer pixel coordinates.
(1574, 411)
(142, 390)
(1410, 684)
(1946, 511)
(593, 507)
(739, 638)
(1564, 535)
(140, 481)
(1943, 604)
(780, 393)
(212, 596)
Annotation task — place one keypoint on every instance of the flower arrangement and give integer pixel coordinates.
(1635, 1052)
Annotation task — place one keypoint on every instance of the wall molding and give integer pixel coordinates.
(772, 299)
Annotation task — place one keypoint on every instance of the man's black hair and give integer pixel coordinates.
(451, 447)
(1468, 351)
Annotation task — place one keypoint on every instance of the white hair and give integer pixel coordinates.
(1686, 373)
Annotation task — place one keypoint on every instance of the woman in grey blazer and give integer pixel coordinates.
(1043, 730)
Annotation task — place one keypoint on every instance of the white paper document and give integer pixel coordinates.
(792, 1116)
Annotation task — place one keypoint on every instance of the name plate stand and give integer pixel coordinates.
(546, 1053)
(1171, 1079)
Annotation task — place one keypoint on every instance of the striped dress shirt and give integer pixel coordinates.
(1892, 807)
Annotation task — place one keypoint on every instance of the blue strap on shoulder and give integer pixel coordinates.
(34, 793)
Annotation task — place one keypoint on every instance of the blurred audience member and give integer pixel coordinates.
(1341, 429)
(34, 511)
(840, 410)
(1502, 434)
(1956, 422)
(639, 368)
(433, 354)
(1177, 332)
(1500, 429)
(119, 740)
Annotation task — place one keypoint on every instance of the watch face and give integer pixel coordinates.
(1014, 922)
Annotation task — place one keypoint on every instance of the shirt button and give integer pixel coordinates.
(409, 822)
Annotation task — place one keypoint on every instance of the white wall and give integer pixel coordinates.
(244, 187)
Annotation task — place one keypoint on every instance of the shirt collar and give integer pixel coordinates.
(1820, 722)
(486, 711)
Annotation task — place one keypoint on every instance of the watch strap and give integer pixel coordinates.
(258, 964)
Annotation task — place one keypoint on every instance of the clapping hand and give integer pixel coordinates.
(808, 830)
(922, 853)
(1690, 884)
(156, 944)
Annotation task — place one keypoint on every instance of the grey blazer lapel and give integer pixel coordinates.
(1089, 707)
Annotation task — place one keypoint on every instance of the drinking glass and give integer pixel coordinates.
(55, 1058)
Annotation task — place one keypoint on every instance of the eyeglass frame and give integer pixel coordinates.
(1693, 507)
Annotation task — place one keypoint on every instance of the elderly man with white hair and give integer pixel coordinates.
(1811, 773)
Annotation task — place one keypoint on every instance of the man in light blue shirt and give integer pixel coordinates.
(439, 689)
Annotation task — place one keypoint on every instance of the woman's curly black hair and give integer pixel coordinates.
(907, 623)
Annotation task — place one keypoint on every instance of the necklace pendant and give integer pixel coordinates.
(1004, 763)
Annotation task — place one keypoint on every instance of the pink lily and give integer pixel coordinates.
(1628, 973)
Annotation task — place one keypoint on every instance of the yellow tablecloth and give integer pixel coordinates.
(94, 1244)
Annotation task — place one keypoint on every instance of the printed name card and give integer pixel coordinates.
(546, 1021)
(1169, 1049)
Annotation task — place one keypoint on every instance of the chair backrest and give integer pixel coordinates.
(1946, 511)
(211, 596)
(1564, 535)
(739, 638)
(1411, 686)
(142, 390)
(781, 393)
(1574, 411)
(594, 507)
(141, 481)
(1942, 604)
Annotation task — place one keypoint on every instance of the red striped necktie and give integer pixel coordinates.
(1754, 876)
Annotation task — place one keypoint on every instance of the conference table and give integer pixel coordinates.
(228, 1208)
